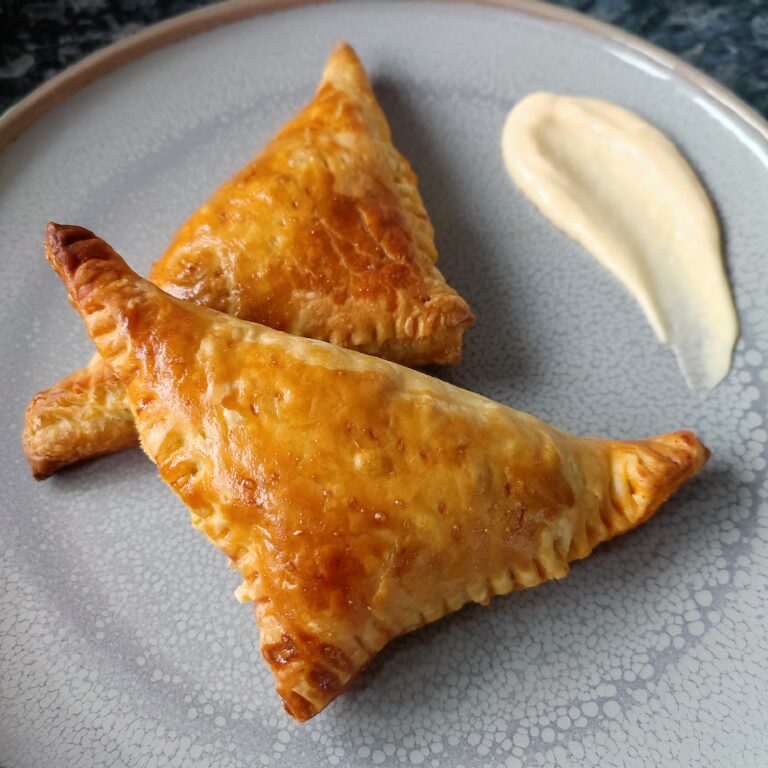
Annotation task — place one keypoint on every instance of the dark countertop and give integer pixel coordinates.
(727, 40)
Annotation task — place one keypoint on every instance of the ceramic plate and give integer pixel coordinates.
(120, 641)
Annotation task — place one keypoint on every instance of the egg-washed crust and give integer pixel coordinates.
(84, 416)
(357, 499)
(323, 234)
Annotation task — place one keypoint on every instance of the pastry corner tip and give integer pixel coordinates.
(645, 473)
(297, 706)
(39, 467)
(63, 235)
(343, 64)
(40, 472)
(342, 48)
(687, 449)
(63, 249)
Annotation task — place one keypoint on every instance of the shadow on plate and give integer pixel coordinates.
(465, 255)
(622, 584)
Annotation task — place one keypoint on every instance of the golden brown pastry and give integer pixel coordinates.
(358, 499)
(323, 234)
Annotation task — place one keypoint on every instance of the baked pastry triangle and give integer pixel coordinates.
(357, 499)
(323, 234)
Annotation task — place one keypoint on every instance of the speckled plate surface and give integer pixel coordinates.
(120, 641)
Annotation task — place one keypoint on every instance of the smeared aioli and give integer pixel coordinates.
(619, 187)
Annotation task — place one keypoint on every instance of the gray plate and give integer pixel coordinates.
(120, 642)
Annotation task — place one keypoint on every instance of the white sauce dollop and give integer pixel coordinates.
(619, 187)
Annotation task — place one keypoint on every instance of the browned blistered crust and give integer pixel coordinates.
(357, 499)
(323, 234)
(83, 416)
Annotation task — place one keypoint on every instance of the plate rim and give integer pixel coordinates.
(103, 62)
(20, 116)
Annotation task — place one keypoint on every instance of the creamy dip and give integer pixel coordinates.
(619, 187)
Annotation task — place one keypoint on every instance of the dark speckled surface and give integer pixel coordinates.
(727, 40)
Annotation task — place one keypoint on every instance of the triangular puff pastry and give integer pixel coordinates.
(358, 499)
(323, 234)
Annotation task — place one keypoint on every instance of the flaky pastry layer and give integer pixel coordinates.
(323, 234)
(358, 499)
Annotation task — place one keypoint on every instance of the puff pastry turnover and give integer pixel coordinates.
(357, 499)
(323, 234)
